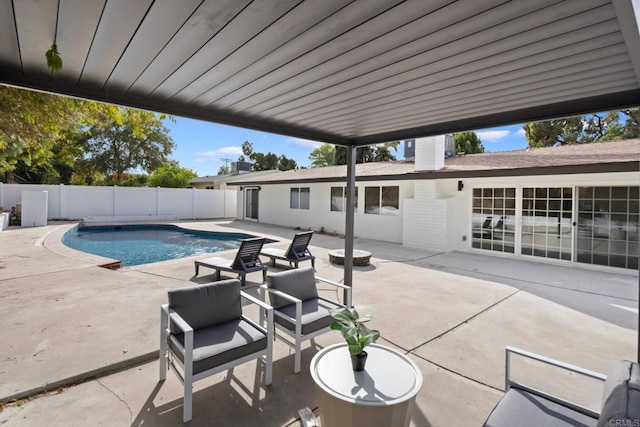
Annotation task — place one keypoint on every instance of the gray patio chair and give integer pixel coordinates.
(297, 251)
(203, 332)
(246, 261)
(299, 312)
(524, 406)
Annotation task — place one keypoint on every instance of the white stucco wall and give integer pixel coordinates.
(438, 205)
(274, 209)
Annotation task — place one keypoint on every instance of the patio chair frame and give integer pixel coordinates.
(293, 256)
(184, 371)
(247, 260)
(294, 339)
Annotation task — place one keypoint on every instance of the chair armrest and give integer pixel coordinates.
(555, 363)
(179, 321)
(549, 361)
(269, 311)
(331, 282)
(255, 300)
(282, 294)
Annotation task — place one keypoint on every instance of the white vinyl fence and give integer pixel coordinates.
(77, 202)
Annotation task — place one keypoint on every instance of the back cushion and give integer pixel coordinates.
(621, 398)
(299, 283)
(209, 304)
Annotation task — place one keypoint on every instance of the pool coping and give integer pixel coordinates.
(53, 241)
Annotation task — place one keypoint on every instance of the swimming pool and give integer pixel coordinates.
(143, 244)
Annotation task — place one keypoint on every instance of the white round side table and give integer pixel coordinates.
(381, 395)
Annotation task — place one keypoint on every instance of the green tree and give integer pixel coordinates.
(364, 154)
(554, 132)
(224, 170)
(171, 175)
(368, 153)
(596, 127)
(632, 123)
(285, 164)
(126, 139)
(32, 124)
(264, 162)
(135, 180)
(468, 143)
(324, 155)
(383, 151)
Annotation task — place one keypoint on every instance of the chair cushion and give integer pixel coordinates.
(523, 409)
(209, 304)
(222, 343)
(299, 283)
(621, 397)
(315, 315)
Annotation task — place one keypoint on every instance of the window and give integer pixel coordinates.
(339, 199)
(493, 219)
(608, 226)
(382, 200)
(547, 217)
(299, 198)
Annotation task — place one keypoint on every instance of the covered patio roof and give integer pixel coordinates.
(349, 73)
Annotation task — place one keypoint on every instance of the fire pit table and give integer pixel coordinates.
(360, 258)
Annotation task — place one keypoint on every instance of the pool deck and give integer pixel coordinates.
(67, 321)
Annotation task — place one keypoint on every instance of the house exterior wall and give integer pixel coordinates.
(438, 217)
(274, 208)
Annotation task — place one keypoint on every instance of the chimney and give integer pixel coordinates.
(430, 153)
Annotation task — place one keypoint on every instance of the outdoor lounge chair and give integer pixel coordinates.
(299, 313)
(525, 406)
(246, 260)
(298, 251)
(203, 332)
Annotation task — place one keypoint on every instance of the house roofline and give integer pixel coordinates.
(633, 166)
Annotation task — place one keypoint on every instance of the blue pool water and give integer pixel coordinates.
(142, 244)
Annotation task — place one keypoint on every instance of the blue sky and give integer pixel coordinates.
(201, 146)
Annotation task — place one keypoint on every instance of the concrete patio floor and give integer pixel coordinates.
(89, 336)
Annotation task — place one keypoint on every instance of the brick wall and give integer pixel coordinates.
(425, 218)
(430, 153)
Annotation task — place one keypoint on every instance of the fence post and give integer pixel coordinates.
(193, 204)
(60, 200)
(1, 195)
(115, 189)
(158, 200)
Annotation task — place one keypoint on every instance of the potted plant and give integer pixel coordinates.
(355, 333)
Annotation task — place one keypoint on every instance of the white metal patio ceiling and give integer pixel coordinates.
(346, 72)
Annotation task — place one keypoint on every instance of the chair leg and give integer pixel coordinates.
(217, 275)
(297, 358)
(243, 278)
(197, 269)
(187, 412)
(313, 262)
(164, 322)
(264, 275)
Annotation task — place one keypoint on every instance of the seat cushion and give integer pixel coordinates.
(217, 345)
(299, 283)
(523, 409)
(621, 397)
(315, 315)
(206, 305)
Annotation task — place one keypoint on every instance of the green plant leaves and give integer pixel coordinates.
(54, 61)
(350, 325)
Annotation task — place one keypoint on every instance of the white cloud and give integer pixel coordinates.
(223, 151)
(521, 132)
(493, 135)
(305, 143)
